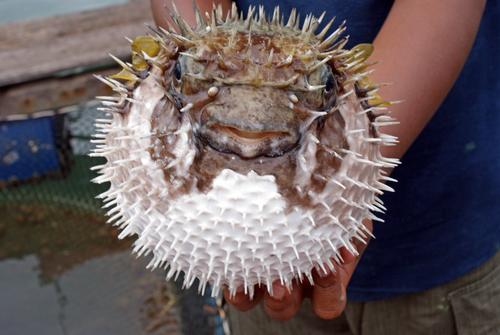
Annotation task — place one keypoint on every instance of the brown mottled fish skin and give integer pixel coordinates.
(263, 106)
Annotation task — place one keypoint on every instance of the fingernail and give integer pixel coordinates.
(342, 293)
(278, 291)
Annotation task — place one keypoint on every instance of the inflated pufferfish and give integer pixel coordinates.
(244, 150)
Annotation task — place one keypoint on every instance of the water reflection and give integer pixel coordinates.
(64, 272)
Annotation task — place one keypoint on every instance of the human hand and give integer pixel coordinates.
(328, 294)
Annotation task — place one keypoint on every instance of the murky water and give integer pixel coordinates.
(109, 294)
(14, 10)
(64, 271)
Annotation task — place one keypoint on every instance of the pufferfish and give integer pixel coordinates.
(244, 150)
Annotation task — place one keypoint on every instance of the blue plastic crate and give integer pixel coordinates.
(32, 148)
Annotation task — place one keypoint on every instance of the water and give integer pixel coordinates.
(64, 271)
(107, 295)
(15, 10)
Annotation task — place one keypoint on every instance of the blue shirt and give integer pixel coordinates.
(444, 219)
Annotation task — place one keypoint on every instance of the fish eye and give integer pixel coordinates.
(177, 70)
(330, 84)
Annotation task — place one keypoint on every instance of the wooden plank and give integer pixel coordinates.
(51, 94)
(44, 48)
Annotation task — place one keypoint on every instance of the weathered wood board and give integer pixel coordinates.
(45, 48)
(46, 64)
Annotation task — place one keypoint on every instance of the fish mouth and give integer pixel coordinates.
(248, 143)
(250, 135)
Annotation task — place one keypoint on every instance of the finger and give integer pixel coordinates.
(347, 256)
(361, 243)
(328, 295)
(283, 305)
(242, 301)
(351, 256)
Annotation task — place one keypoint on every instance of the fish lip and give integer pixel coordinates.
(248, 143)
(250, 135)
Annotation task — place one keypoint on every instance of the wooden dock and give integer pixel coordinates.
(48, 63)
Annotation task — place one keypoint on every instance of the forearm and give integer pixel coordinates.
(421, 49)
(161, 9)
